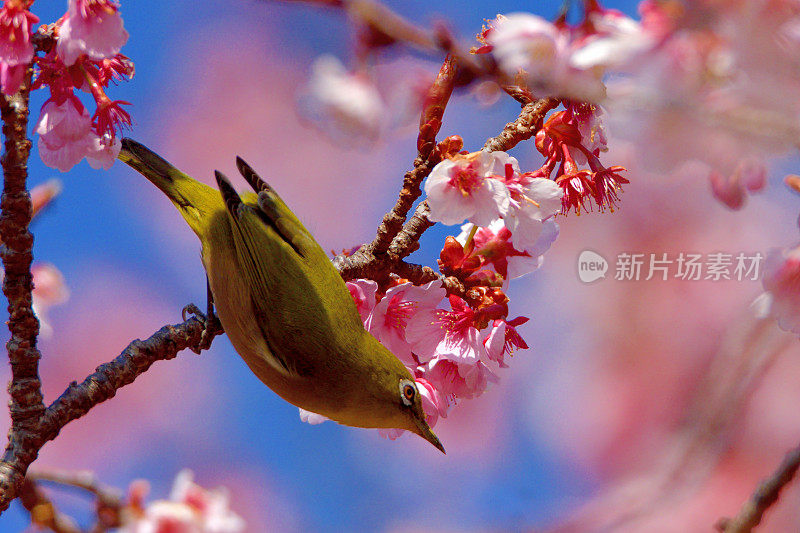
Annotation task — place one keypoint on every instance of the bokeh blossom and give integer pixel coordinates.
(189, 509)
(781, 297)
(343, 104)
(532, 49)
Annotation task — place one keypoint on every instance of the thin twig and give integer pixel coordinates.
(429, 125)
(43, 512)
(109, 500)
(763, 498)
(524, 127)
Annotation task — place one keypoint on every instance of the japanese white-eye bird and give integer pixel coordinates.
(284, 306)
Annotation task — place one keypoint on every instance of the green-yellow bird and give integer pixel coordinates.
(283, 305)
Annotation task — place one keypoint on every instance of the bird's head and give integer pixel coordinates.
(390, 398)
(413, 416)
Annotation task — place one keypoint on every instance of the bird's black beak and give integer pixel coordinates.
(425, 431)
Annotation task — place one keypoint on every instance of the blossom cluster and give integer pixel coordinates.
(453, 346)
(85, 58)
(189, 509)
(562, 60)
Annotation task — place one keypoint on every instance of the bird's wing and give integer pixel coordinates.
(275, 213)
(283, 293)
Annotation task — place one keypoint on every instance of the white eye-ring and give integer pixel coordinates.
(408, 391)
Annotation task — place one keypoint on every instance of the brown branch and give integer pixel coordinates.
(43, 512)
(102, 385)
(763, 498)
(407, 241)
(524, 127)
(430, 123)
(367, 263)
(26, 405)
(109, 500)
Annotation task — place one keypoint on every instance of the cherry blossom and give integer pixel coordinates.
(65, 134)
(445, 334)
(344, 105)
(749, 176)
(717, 90)
(503, 339)
(495, 244)
(363, 292)
(103, 151)
(470, 187)
(614, 41)
(529, 47)
(533, 201)
(312, 418)
(434, 405)
(392, 313)
(16, 49)
(781, 299)
(49, 289)
(190, 509)
(93, 28)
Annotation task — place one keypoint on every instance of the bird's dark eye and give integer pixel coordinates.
(407, 392)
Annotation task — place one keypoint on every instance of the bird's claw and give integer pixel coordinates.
(210, 326)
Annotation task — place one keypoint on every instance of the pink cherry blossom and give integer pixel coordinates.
(470, 187)
(477, 378)
(43, 194)
(93, 28)
(344, 105)
(615, 41)
(591, 127)
(391, 433)
(103, 151)
(190, 509)
(164, 516)
(495, 244)
(718, 89)
(781, 299)
(533, 48)
(445, 334)
(433, 403)
(393, 312)
(450, 379)
(750, 175)
(65, 134)
(16, 49)
(11, 77)
(503, 339)
(49, 289)
(15, 33)
(363, 292)
(533, 201)
(444, 376)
